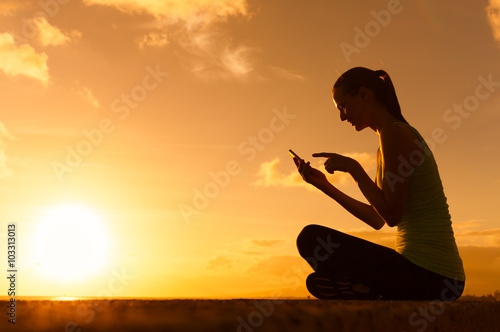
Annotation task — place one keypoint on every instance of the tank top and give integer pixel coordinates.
(425, 235)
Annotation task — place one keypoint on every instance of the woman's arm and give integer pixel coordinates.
(389, 205)
(359, 209)
(398, 145)
(401, 151)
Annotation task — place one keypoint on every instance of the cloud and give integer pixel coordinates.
(465, 225)
(86, 93)
(252, 253)
(477, 237)
(266, 243)
(235, 60)
(270, 176)
(493, 14)
(194, 12)
(10, 7)
(4, 135)
(279, 266)
(467, 233)
(22, 60)
(153, 39)
(219, 263)
(49, 35)
(207, 50)
(42, 128)
(288, 74)
(4, 168)
(211, 55)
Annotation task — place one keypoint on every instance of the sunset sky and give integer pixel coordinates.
(144, 144)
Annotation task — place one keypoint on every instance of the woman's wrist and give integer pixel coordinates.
(326, 187)
(356, 170)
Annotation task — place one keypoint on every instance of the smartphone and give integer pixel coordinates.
(293, 154)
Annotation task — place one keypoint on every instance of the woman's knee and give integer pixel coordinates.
(305, 238)
(313, 236)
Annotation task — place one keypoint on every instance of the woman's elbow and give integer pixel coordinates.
(378, 224)
(391, 218)
(391, 222)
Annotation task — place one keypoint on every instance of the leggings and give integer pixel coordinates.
(388, 273)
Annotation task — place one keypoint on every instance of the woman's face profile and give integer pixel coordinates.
(350, 108)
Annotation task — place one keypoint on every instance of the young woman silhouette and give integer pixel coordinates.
(407, 193)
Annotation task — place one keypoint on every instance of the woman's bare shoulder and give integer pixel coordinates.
(399, 136)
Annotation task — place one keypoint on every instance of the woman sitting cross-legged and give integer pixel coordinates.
(407, 193)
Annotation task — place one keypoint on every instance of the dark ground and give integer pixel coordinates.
(248, 315)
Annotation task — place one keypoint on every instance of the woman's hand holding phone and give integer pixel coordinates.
(309, 174)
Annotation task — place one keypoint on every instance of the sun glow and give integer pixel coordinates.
(71, 243)
(66, 298)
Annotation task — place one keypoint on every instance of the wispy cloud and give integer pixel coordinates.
(468, 233)
(38, 127)
(86, 93)
(4, 136)
(194, 12)
(49, 35)
(287, 74)
(472, 234)
(269, 174)
(4, 168)
(219, 263)
(277, 265)
(153, 39)
(236, 60)
(464, 226)
(266, 243)
(10, 7)
(206, 49)
(211, 55)
(22, 60)
(493, 14)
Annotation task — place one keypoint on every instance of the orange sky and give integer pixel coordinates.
(170, 122)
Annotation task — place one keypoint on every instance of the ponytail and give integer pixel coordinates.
(378, 81)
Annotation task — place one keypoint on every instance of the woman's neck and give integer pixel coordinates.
(381, 119)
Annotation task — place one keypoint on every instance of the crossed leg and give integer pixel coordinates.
(347, 267)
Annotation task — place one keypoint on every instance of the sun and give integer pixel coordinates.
(71, 242)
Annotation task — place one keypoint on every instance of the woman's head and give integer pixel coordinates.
(377, 81)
